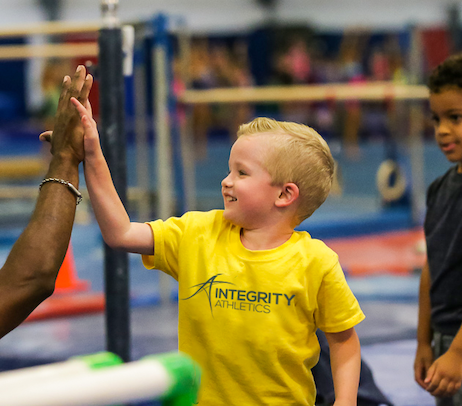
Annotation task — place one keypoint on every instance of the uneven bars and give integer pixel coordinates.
(31, 192)
(372, 91)
(49, 28)
(66, 50)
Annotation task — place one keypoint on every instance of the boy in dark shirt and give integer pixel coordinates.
(438, 368)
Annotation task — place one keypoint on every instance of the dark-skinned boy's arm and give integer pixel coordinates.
(424, 353)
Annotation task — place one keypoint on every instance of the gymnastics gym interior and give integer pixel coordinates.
(190, 74)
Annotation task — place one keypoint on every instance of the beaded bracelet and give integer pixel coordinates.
(71, 187)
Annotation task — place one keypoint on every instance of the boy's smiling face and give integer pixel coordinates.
(248, 192)
(446, 107)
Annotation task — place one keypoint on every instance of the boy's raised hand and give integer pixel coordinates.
(91, 142)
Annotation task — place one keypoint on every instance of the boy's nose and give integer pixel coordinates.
(226, 182)
(442, 128)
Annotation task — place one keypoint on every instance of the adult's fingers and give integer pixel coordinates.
(77, 82)
(85, 92)
(71, 87)
(64, 90)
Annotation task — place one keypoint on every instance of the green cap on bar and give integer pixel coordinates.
(185, 375)
(100, 360)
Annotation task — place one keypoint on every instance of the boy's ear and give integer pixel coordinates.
(289, 193)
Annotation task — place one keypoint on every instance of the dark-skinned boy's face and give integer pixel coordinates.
(446, 107)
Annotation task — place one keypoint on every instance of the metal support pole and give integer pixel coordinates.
(162, 134)
(113, 141)
(416, 144)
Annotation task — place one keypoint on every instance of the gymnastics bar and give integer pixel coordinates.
(371, 91)
(49, 28)
(21, 378)
(31, 192)
(67, 50)
(22, 167)
(171, 377)
(335, 92)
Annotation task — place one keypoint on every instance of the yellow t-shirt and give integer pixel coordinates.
(249, 317)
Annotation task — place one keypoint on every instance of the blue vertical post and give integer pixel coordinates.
(111, 84)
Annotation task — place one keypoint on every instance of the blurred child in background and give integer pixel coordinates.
(438, 368)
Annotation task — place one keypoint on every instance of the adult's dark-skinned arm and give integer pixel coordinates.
(29, 273)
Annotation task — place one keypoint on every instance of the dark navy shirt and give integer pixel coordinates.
(443, 233)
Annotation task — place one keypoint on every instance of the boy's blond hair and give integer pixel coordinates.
(298, 155)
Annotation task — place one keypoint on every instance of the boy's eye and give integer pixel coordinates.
(435, 119)
(455, 117)
(242, 173)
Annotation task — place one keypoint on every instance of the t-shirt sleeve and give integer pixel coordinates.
(338, 309)
(167, 239)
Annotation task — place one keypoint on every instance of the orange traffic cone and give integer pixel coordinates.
(68, 299)
(67, 280)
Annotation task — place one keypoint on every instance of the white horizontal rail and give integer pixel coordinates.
(165, 376)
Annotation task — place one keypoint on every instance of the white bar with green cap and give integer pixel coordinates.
(171, 377)
(72, 366)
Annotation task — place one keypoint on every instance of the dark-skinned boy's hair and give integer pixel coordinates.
(446, 74)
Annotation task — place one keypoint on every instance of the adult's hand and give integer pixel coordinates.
(67, 137)
(29, 273)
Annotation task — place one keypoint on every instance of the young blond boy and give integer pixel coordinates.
(252, 291)
(439, 369)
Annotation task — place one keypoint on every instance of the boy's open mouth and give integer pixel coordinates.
(448, 147)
